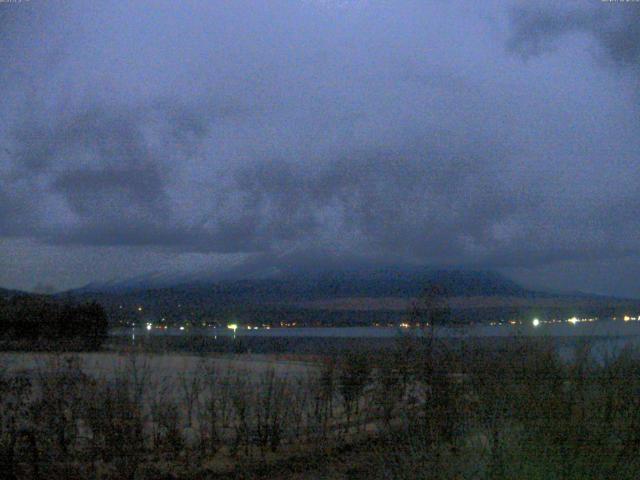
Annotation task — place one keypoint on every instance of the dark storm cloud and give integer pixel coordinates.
(298, 131)
(614, 25)
(413, 199)
(111, 180)
(15, 215)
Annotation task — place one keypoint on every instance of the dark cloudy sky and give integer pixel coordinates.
(173, 135)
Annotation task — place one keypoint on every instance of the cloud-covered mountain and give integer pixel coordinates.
(297, 278)
(351, 295)
(497, 135)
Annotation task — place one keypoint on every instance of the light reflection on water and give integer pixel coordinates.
(604, 328)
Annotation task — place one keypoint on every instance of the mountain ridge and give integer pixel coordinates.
(374, 281)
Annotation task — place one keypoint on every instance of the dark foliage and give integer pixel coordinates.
(35, 320)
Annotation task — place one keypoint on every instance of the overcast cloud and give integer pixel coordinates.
(158, 135)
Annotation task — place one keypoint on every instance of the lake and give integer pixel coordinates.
(606, 337)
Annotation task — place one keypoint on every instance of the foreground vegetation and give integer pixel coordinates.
(420, 410)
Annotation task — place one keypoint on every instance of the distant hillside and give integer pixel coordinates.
(7, 293)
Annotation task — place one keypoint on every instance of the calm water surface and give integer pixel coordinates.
(606, 337)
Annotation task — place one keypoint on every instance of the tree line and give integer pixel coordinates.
(32, 321)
